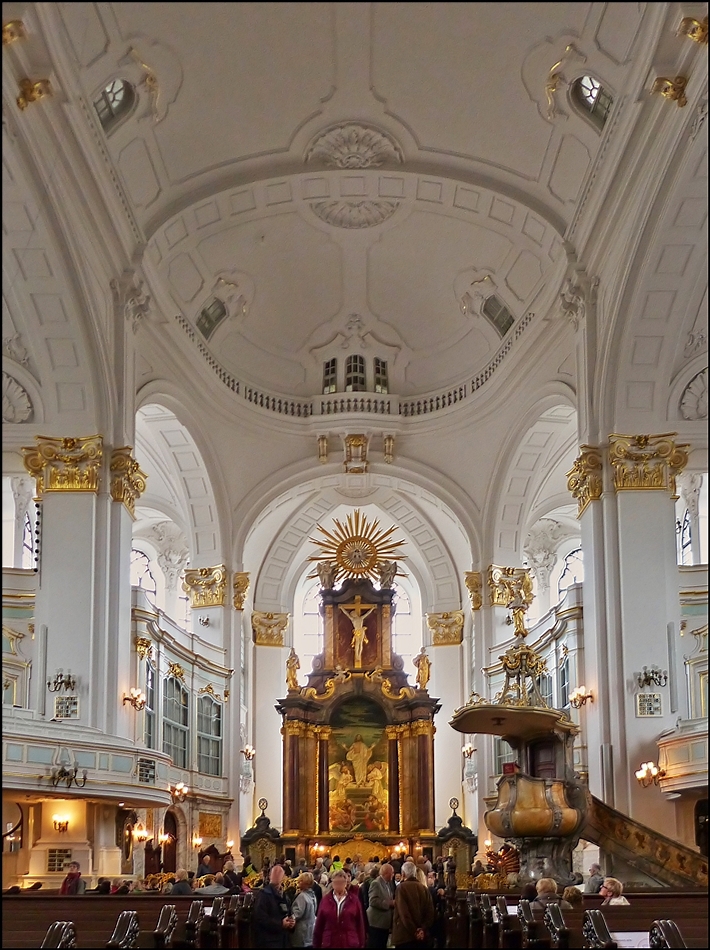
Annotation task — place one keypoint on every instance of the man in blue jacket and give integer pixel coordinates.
(271, 918)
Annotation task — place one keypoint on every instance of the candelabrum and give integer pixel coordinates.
(136, 697)
(649, 774)
(141, 834)
(248, 752)
(580, 696)
(69, 776)
(61, 824)
(196, 841)
(178, 793)
(653, 677)
(62, 680)
(468, 750)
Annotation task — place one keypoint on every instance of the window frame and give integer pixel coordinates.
(210, 741)
(109, 116)
(330, 376)
(355, 374)
(150, 723)
(502, 327)
(174, 728)
(381, 376)
(596, 111)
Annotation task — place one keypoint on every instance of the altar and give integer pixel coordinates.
(358, 736)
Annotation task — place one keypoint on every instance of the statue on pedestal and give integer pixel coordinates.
(423, 665)
(293, 664)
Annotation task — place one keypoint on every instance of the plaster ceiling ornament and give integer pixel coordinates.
(129, 298)
(354, 329)
(157, 69)
(690, 484)
(540, 549)
(471, 299)
(14, 348)
(358, 548)
(578, 292)
(556, 78)
(351, 145)
(697, 341)
(354, 214)
(173, 554)
(693, 402)
(16, 404)
(21, 487)
(701, 114)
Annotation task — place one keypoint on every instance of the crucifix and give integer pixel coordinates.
(357, 618)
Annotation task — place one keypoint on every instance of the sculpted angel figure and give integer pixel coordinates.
(387, 571)
(326, 574)
(292, 666)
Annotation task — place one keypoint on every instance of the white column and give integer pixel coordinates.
(447, 685)
(269, 675)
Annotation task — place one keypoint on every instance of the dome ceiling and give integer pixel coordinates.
(352, 178)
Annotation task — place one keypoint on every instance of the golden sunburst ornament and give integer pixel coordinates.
(356, 548)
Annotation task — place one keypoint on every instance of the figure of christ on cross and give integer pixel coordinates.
(357, 618)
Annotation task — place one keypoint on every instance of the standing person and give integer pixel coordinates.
(181, 885)
(413, 910)
(337, 864)
(438, 898)
(73, 883)
(303, 911)
(271, 918)
(205, 866)
(612, 891)
(380, 906)
(340, 921)
(232, 879)
(596, 879)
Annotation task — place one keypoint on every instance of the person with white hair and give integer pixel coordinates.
(413, 910)
(596, 879)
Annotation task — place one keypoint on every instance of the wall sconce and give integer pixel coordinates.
(179, 792)
(580, 696)
(136, 697)
(248, 752)
(196, 841)
(655, 676)
(140, 833)
(61, 823)
(649, 774)
(487, 843)
(62, 680)
(468, 750)
(230, 845)
(69, 776)
(164, 838)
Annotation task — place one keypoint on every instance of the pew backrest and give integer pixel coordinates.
(665, 935)
(60, 934)
(595, 931)
(125, 933)
(167, 922)
(555, 923)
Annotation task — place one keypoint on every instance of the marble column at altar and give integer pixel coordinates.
(292, 732)
(323, 734)
(395, 819)
(423, 735)
(84, 597)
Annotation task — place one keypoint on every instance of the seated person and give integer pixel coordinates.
(572, 895)
(612, 891)
(181, 885)
(215, 888)
(547, 894)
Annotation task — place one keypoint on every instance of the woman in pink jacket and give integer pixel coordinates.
(340, 921)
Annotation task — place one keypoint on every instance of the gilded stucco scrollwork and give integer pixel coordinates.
(584, 479)
(144, 648)
(127, 480)
(174, 669)
(646, 462)
(331, 684)
(446, 628)
(206, 586)
(69, 464)
(474, 586)
(510, 586)
(240, 587)
(269, 628)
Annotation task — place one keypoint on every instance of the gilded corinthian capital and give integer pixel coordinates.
(269, 628)
(127, 479)
(446, 628)
(240, 585)
(474, 585)
(65, 464)
(646, 462)
(510, 587)
(584, 480)
(206, 586)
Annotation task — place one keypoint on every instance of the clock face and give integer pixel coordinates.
(453, 803)
(263, 804)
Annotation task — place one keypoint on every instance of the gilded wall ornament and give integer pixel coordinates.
(693, 402)
(555, 78)
(16, 404)
(32, 92)
(144, 648)
(696, 30)
(127, 480)
(13, 30)
(240, 587)
(356, 548)
(388, 448)
(269, 628)
(210, 691)
(474, 585)
(174, 669)
(351, 145)
(65, 464)
(206, 586)
(323, 449)
(446, 628)
(646, 462)
(366, 213)
(210, 826)
(510, 587)
(331, 684)
(355, 454)
(584, 479)
(672, 89)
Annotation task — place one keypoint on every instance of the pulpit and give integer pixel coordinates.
(358, 737)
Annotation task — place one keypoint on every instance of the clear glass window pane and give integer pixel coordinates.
(330, 376)
(355, 374)
(381, 381)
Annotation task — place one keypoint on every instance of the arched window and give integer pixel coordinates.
(209, 736)
(572, 572)
(330, 376)
(175, 721)
(684, 539)
(149, 736)
(499, 315)
(115, 101)
(564, 683)
(355, 374)
(28, 545)
(141, 574)
(592, 98)
(210, 317)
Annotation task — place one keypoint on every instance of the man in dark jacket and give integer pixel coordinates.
(271, 919)
(413, 910)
